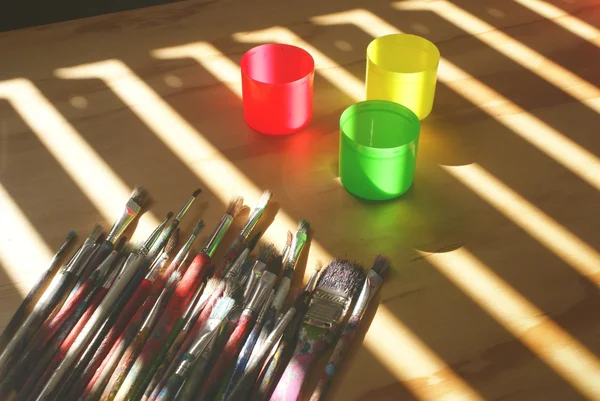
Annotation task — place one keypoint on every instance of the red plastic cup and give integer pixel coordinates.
(277, 88)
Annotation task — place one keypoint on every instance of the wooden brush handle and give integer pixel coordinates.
(87, 366)
(98, 257)
(102, 375)
(339, 352)
(232, 347)
(171, 388)
(306, 354)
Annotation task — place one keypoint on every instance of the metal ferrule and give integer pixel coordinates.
(191, 306)
(255, 215)
(369, 288)
(257, 271)
(112, 276)
(80, 260)
(208, 332)
(215, 239)
(312, 281)
(326, 309)
(157, 266)
(153, 237)
(260, 294)
(184, 209)
(270, 341)
(154, 312)
(265, 306)
(297, 244)
(131, 210)
(183, 252)
(104, 267)
(236, 267)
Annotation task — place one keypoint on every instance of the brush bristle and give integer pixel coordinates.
(199, 227)
(235, 206)
(222, 308)
(120, 244)
(264, 199)
(247, 266)
(290, 238)
(381, 266)
(169, 215)
(211, 285)
(196, 192)
(253, 241)
(233, 289)
(274, 264)
(139, 195)
(303, 227)
(96, 232)
(266, 253)
(342, 276)
(172, 242)
(71, 235)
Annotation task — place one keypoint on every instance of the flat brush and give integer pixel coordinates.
(236, 267)
(153, 306)
(132, 207)
(220, 312)
(282, 353)
(329, 305)
(179, 340)
(238, 245)
(134, 348)
(30, 357)
(240, 333)
(111, 308)
(371, 285)
(245, 352)
(54, 295)
(56, 350)
(35, 292)
(266, 255)
(161, 260)
(243, 387)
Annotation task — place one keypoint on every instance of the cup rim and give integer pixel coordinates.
(243, 63)
(385, 105)
(432, 64)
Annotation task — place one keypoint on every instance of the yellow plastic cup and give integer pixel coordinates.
(402, 68)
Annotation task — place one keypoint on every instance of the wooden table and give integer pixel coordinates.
(495, 248)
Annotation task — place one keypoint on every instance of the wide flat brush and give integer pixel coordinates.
(240, 333)
(54, 295)
(220, 312)
(373, 282)
(330, 302)
(35, 292)
(56, 350)
(277, 360)
(267, 253)
(133, 206)
(238, 245)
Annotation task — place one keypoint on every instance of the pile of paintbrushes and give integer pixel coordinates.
(123, 323)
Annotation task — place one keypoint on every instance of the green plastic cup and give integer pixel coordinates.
(379, 140)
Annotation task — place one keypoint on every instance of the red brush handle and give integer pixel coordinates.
(230, 351)
(108, 365)
(35, 382)
(52, 326)
(162, 279)
(137, 298)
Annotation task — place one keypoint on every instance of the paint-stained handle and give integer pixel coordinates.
(289, 387)
(339, 352)
(232, 347)
(236, 248)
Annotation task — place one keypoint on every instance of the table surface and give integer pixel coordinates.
(495, 248)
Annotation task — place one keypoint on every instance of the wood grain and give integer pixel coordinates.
(429, 339)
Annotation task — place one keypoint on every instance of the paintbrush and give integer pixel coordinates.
(156, 382)
(164, 349)
(94, 387)
(30, 357)
(35, 292)
(236, 267)
(371, 285)
(266, 254)
(246, 351)
(55, 351)
(218, 316)
(134, 348)
(161, 260)
(242, 329)
(132, 207)
(111, 307)
(238, 245)
(278, 356)
(138, 327)
(243, 387)
(330, 302)
(54, 295)
(134, 277)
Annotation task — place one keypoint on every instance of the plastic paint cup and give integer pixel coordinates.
(277, 88)
(402, 68)
(378, 149)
